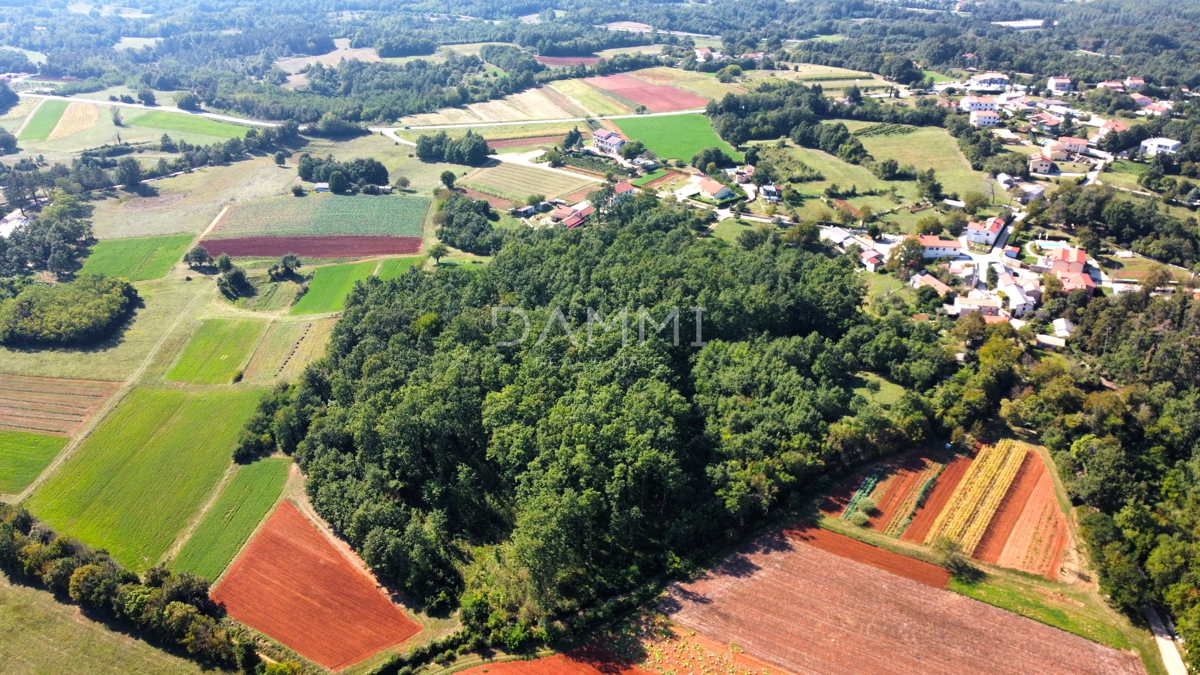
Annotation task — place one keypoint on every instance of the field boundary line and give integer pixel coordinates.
(86, 431)
(471, 125)
(293, 470)
(212, 226)
(181, 539)
(29, 117)
(161, 108)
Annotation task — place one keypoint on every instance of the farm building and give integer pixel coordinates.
(1160, 146)
(1063, 328)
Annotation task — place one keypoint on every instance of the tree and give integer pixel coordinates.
(198, 256)
(147, 97)
(224, 263)
(402, 182)
(447, 179)
(535, 199)
(298, 191)
(129, 172)
(993, 277)
(115, 113)
(907, 255)
(954, 559)
(573, 139)
(338, 183)
(188, 101)
(290, 263)
(929, 225)
(973, 201)
(632, 149)
(280, 157)
(439, 251)
(1158, 276)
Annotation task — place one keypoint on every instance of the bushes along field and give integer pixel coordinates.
(243, 503)
(138, 479)
(217, 351)
(77, 313)
(325, 215)
(329, 287)
(136, 259)
(23, 456)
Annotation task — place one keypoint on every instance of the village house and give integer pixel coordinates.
(872, 260)
(1107, 128)
(1115, 85)
(966, 271)
(771, 193)
(1059, 85)
(711, 189)
(1063, 328)
(1018, 301)
(927, 279)
(936, 247)
(1054, 152)
(1066, 260)
(973, 103)
(1039, 164)
(1135, 83)
(1160, 109)
(622, 190)
(988, 81)
(1073, 145)
(985, 306)
(985, 118)
(1159, 146)
(607, 141)
(1045, 122)
(1141, 100)
(986, 232)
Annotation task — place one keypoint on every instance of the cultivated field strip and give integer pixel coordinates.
(513, 181)
(813, 612)
(49, 405)
(965, 519)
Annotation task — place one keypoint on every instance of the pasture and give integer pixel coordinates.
(43, 121)
(342, 50)
(928, 148)
(77, 117)
(23, 456)
(243, 504)
(514, 181)
(217, 351)
(675, 136)
(194, 124)
(330, 285)
(394, 267)
(136, 259)
(134, 484)
(287, 348)
(539, 103)
(325, 215)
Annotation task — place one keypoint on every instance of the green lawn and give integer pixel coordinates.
(217, 352)
(244, 503)
(169, 121)
(889, 392)
(650, 177)
(928, 148)
(329, 287)
(675, 136)
(23, 456)
(44, 121)
(136, 259)
(145, 472)
(394, 267)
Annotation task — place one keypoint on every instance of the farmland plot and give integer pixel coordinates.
(23, 456)
(810, 611)
(44, 120)
(325, 215)
(578, 662)
(136, 259)
(966, 517)
(135, 482)
(77, 117)
(49, 405)
(513, 181)
(287, 347)
(675, 136)
(217, 352)
(656, 97)
(330, 285)
(1029, 531)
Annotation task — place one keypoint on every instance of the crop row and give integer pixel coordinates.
(868, 486)
(903, 512)
(884, 130)
(965, 519)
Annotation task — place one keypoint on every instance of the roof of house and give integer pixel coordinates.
(605, 134)
(989, 76)
(586, 211)
(1045, 117)
(932, 240)
(979, 302)
(1135, 80)
(934, 283)
(1060, 79)
(1072, 140)
(1068, 254)
(573, 221)
(872, 255)
(710, 186)
(1076, 280)
(1138, 96)
(993, 224)
(561, 212)
(1159, 140)
(1113, 125)
(623, 187)
(985, 113)
(1037, 159)
(1158, 107)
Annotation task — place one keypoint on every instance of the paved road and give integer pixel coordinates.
(164, 108)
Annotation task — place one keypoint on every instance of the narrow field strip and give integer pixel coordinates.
(49, 405)
(969, 511)
(136, 259)
(39, 126)
(23, 456)
(217, 351)
(330, 285)
(325, 215)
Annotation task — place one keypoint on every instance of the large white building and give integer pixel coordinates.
(988, 81)
(973, 103)
(1160, 146)
(1059, 85)
(936, 247)
(985, 118)
(607, 141)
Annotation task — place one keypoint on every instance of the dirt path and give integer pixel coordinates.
(28, 118)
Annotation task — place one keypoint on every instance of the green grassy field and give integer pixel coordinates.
(23, 456)
(241, 506)
(169, 121)
(675, 136)
(329, 287)
(394, 267)
(514, 181)
(41, 634)
(217, 352)
(44, 121)
(928, 148)
(889, 393)
(136, 259)
(650, 177)
(146, 471)
(324, 215)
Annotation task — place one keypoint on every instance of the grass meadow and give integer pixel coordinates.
(675, 136)
(171, 121)
(595, 100)
(44, 120)
(136, 259)
(928, 148)
(23, 456)
(394, 267)
(513, 181)
(326, 215)
(217, 351)
(330, 285)
(245, 501)
(144, 473)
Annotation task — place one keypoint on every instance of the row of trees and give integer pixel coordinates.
(471, 149)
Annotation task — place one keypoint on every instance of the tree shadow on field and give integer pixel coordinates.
(142, 190)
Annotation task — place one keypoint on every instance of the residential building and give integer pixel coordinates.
(711, 189)
(872, 260)
(1073, 145)
(1039, 164)
(936, 247)
(1059, 85)
(1045, 122)
(1076, 281)
(771, 193)
(622, 190)
(986, 232)
(1063, 328)
(973, 103)
(966, 305)
(837, 236)
(1159, 109)
(1141, 100)
(1115, 85)
(1160, 146)
(607, 141)
(1054, 152)
(1107, 128)
(1066, 260)
(964, 270)
(985, 118)
(1018, 301)
(988, 81)
(1135, 83)
(927, 279)
(1032, 191)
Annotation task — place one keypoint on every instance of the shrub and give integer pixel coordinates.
(81, 312)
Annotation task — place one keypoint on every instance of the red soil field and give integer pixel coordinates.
(587, 661)
(656, 97)
(992, 544)
(295, 586)
(671, 175)
(494, 201)
(841, 545)
(909, 476)
(568, 60)
(812, 612)
(578, 196)
(1037, 540)
(314, 247)
(48, 405)
(949, 479)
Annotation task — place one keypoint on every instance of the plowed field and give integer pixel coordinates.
(293, 585)
(946, 483)
(578, 662)
(568, 60)
(876, 557)
(49, 405)
(314, 247)
(813, 612)
(1029, 531)
(656, 97)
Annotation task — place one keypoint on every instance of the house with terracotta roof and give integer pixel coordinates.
(987, 232)
(973, 103)
(1141, 99)
(711, 189)
(1107, 128)
(927, 279)
(985, 118)
(607, 141)
(1160, 109)
(1059, 85)
(1073, 145)
(1076, 281)
(983, 306)
(1039, 164)
(1135, 83)
(623, 189)
(1115, 85)
(1054, 152)
(872, 260)
(936, 247)
(1045, 122)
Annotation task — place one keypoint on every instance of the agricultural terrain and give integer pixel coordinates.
(330, 285)
(23, 456)
(286, 348)
(49, 405)
(676, 136)
(516, 182)
(136, 259)
(217, 352)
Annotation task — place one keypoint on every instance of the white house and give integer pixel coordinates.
(1160, 146)
(713, 190)
(1073, 145)
(936, 247)
(1018, 302)
(1141, 100)
(1032, 191)
(1063, 328)
(1059, 85)
(1135, 83)
(771, 193)
(1039, 164)
(988, 81)
(1160, 109)
(973, 103)
(607, 141)
(985, 118)
(986, 232)
(1006, 181)
(1115, 85)
(872, 260)
(1054, 152)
